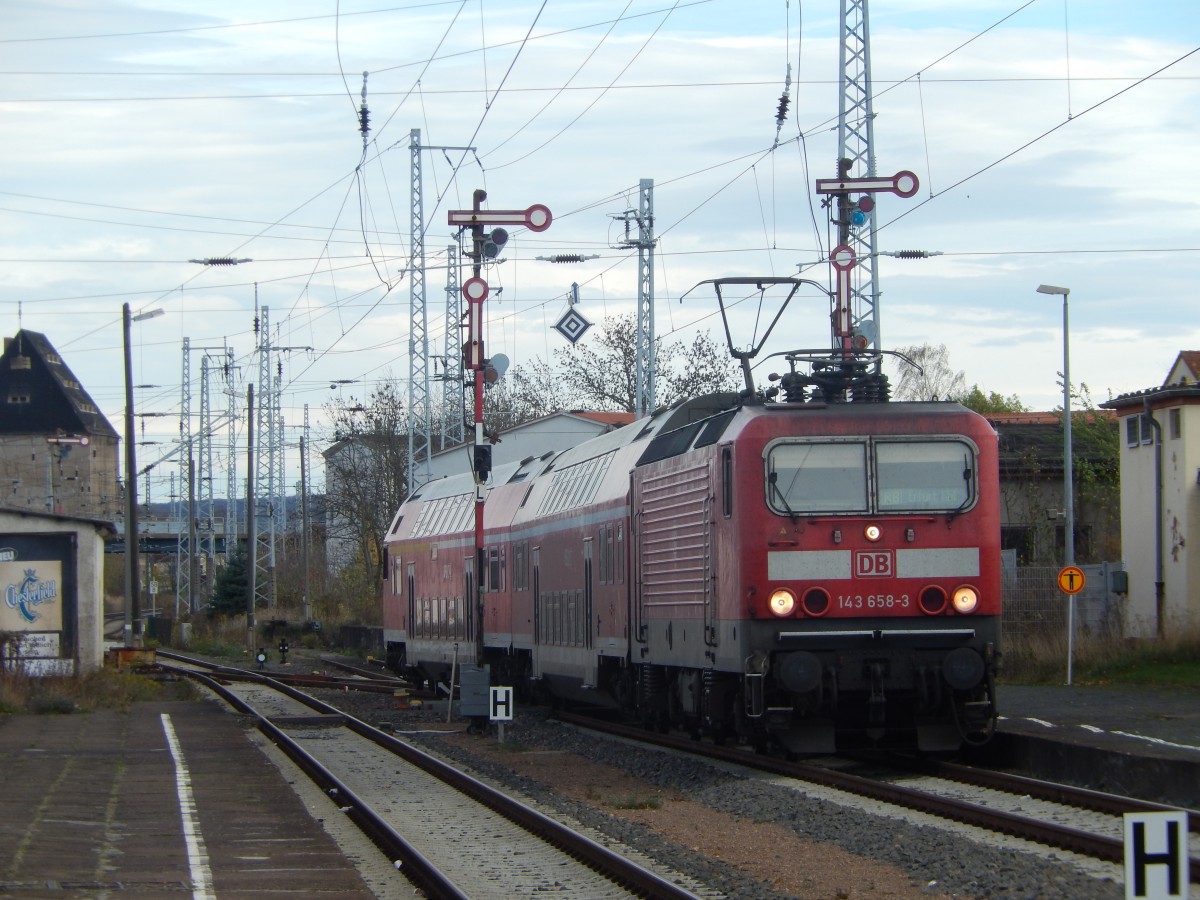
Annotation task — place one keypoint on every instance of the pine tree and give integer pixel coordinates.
(229, 591)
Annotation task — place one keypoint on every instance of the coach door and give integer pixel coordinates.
(470, 602)
(410, 582)
(586, 630)
(535, 555)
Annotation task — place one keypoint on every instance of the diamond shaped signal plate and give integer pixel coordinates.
(572, 325)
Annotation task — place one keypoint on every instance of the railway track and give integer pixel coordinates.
(450, 834)
(1080, 821)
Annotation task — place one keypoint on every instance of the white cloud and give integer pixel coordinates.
(275, 141)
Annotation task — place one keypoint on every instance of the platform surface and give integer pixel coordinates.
(94, 805)
(1139, 740)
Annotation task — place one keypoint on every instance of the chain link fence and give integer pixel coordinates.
(1034, 605)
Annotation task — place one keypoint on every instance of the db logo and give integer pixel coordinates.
(874, 563)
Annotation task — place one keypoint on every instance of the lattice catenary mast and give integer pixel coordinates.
(856, 155)
(644, 362)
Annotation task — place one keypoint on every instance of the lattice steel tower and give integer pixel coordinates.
(644, 356)
(419, 416)
(856, 155)
(453, 412)
(263, 539)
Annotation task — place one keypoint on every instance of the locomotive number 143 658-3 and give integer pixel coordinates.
(873, 601)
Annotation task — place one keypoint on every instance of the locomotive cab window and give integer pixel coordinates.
(817, 477)
(870, 476)
(924, 475)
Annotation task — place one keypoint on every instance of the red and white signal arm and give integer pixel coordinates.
(536, 217)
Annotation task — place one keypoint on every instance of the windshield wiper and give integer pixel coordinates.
(967, 473)
(773, 481)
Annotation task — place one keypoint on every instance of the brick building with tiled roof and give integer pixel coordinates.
(1031, 487)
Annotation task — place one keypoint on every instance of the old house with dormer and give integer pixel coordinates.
(58, 453)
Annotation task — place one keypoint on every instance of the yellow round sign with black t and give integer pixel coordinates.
(1071, 579)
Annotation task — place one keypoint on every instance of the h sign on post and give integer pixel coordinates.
(1156, 855)
(502, 705)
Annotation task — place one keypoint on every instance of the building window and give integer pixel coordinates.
(1175, 424)
(1132, 432)
(1019, 538)
(1138, 430)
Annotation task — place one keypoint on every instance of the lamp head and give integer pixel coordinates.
(1052, 289)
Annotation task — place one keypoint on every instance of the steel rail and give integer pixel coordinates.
(1066, 794)
(376, 685)
(413, 864)
(384, 677)
(1013, 824)
(595, 856)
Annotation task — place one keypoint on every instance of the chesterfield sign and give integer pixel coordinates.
(31, 596)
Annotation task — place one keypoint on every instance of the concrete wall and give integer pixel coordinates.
(1181, 524)
(77, 624)
(64, 479)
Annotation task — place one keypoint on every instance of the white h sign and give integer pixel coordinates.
(1156, 855)
(502, 705)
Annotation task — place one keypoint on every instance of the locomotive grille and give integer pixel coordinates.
(675, 539)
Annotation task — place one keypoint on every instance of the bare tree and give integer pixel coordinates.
(703, 368)
(931, 378)
(601, 375)
(526, 393)
(366, 473)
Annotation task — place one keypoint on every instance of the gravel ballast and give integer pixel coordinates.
(937, 861)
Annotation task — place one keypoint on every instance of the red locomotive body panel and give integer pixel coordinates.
(928, 546)
(814, 574)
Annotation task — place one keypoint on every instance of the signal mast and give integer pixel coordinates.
(856, 309)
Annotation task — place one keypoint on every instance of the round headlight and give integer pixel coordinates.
(872, 533)
(965, 599)
(782, 602)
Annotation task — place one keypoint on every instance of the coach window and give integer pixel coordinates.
(605, 541)
(924, 475)
(495, 571)
(817, 477)
(521, 566)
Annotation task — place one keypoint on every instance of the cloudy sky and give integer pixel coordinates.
(1054, 140)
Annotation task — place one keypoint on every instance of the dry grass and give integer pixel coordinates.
(1173, 660)
(103, 689)
(222, 637)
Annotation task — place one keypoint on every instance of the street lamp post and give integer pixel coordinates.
(133, 615)
(1068, 468)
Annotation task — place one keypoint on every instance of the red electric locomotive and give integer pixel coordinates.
(813, 566)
